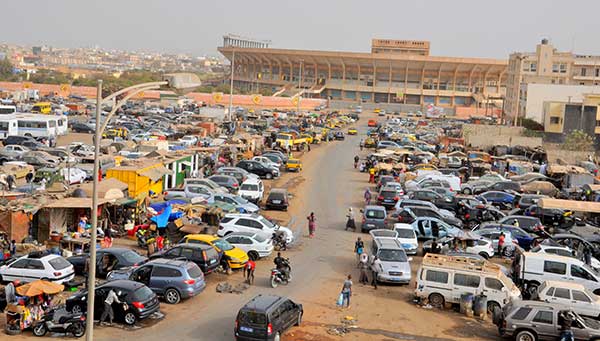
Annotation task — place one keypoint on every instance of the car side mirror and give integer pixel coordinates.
(410, 259)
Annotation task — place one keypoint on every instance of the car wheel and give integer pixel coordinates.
(299, 318)
(40, 329)
(492, 307)
(269, 176)
(436, 300)
(253, 255)
(172, 296)
(525, 335)
(78, 329)
(466, 191)
(129, 318)
(484, 255)
(77, 309)
(277, 337)
(532, 288)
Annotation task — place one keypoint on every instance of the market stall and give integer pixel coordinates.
(32, 301)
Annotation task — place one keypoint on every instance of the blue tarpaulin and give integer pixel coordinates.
(162, 219)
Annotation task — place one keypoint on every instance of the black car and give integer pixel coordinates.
(266, 317)
(205, 256)
(26, 141)
(113, 258)
(505, 186)
(387, 198)
(78, 127)
(257, 168)
(226, 181)
(339, 135)
(437, 199)
(141, 301)
(278, 199)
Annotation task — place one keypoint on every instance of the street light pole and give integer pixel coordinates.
(299, 86)
(89, 336)
(231, 85)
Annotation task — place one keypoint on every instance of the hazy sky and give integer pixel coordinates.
(455, 28)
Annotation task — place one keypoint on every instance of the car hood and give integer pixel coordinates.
(123, 273)
(396, 266)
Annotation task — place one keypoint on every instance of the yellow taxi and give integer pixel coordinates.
(377, 110)
(293, 165)
(309, 138)
(237, 257)
(352, 131)
(370, 142)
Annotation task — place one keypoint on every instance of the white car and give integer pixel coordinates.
(234, 222)
(407, 237)
(563, 251)
(573, 295)
(73, 175)
(252, 189)
(396, 186)
(256, 245)
(15, 150)
(30, 268)
(265, 161)
(189, 140)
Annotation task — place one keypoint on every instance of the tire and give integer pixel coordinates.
(77, 309)
(299, 320)
(525, 335)
(77, 329)
(532, 288)
(273, 282)
(39, 329)
(172, 296)
(466, 191)
(492, 307)
(269, 176)
(253, 255)
(436, 300)
(484, 255)
(130, 318)
(277, 337)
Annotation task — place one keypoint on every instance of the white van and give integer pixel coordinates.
(443, 278)
(535, 268)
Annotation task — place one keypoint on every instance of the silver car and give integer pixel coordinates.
(395, 266)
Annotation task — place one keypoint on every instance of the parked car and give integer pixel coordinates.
(108, 259)
(475, 186)
(236, 257)
(278, 199)
(407, 237)
(226, 181)
(26, 141)
(255, 244)
(73, 175)
(521, 236)
(189, 140)
(497, 198)
(265, 161)
(383, 180)
(533, 320)
(258, 169)
(204, 255)
(425, 227)
(13, 152)
(410, 213)
(573, 295)
(240, 203)
(40, 159)
(231, 223)
(529, 224)
(437, 199)
(267, 317)
(387, 198)
(36, 266)
(293, 165)
(78, 127)
(394, 262)
(211, 185)
(339, 135)
(170, 278)
(482, 246)
(373, 217)
(252, 190)
(141, 301)
(505, 186)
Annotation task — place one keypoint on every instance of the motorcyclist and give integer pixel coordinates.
(282, 264)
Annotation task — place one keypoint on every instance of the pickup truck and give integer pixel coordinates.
(291, 140)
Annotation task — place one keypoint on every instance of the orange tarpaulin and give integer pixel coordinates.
(39, 287)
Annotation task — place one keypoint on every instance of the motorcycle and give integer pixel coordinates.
(279, 242)
(142, 236)
(278, 276)
(66, 324)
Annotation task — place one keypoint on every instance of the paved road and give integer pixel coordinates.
(329, 186)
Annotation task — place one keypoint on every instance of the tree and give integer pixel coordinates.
(578, 140)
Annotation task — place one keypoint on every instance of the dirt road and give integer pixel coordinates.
(327, 186)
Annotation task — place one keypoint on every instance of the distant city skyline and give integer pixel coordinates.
(455, 28)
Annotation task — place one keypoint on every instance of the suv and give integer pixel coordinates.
(205, 256)
(36, 266)
(533, 320)
(251, 223)
(266, 317)
(252, 190)
(172, 279)
(394, 262)
(278, 199)
(258, 168)
(374, 217)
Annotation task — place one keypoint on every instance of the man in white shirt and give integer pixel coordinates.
(376, 268)
(108, 309)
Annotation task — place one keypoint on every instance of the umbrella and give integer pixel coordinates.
(39, 287)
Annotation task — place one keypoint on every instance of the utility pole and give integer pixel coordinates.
(231, 85)
(299, 86)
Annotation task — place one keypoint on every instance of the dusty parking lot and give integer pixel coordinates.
(328, 185)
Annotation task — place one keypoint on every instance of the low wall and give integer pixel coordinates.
(484, 136)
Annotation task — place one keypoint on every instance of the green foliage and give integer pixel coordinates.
(6, 69)
(530, 124)
(578, 140)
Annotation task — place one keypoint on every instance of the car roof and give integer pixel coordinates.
(204, 237)
(549, 256)
(166, 261)
(251, 181)
(193, 246)
(262, 303)
(122, 284)
(519, 217)
(539, 304)
(115, 250)
(374, 207)
(563, 284)
(278, 190)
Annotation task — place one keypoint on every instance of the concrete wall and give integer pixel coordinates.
(571, 157)
(484, 136)
(537, 94)
(391, 107)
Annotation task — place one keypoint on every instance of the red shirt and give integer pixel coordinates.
(501, 240)
(250, 265)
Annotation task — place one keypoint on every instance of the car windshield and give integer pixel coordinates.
(406, 233)
(59, 263)
(251, 317)
(266, 222)
(239, 200)
(222, 244)
(194, 271)
(249, 187)
(392, 256)
(132, 257)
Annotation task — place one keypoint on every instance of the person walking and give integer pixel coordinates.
(108, 309)
(361, 144)
(565, 321)
(249, 271)
(372, 175)
(501, 239)
(350, 224)
(347, 291)
(312, 226)
(376, 268)
(359, 248)
(367, 196)
(364, 268)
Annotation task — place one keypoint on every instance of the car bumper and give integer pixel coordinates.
(64, 279)
(148, 311)
(237, 265)
(249, 338)
(194, 290)
(387, 278)
(369, 226)
(411, 251)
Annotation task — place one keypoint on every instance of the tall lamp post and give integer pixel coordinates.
(178, 82)
(231, 84)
